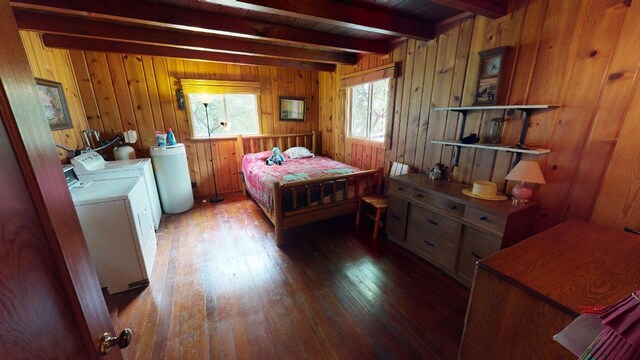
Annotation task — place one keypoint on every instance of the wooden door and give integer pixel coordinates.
(51, 305)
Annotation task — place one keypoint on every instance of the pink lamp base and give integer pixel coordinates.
(521, 193)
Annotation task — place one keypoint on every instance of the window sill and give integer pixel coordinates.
(372, 143)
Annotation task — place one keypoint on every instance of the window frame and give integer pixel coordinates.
(220, 87)
(349, 112)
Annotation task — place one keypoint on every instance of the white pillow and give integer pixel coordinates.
(299, 152)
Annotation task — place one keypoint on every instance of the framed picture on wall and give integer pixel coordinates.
(292, 109)
(54, 104)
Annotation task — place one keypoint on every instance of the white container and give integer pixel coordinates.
(172, 177)
(124, 153)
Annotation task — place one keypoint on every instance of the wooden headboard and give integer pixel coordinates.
(257, 143)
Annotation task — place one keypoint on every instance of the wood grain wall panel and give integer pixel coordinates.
(604, 22)
(457, 86)
(474, 119)
(55, 65)
(129, 92)
(578, 54)
(415, 101)
(443, 82)
(83, 78)
(614, 103)
(395, 101)
(618, 202)
(104, 99)
(425, 101)
(405, 100)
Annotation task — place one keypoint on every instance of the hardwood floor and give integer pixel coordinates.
(221, 289)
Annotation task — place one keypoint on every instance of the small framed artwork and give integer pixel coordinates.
(493, 76)
(292, 109)
(54, 104)
(487, 91)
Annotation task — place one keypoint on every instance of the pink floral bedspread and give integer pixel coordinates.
(259, 177)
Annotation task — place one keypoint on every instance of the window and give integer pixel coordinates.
(234, 103)
(240, 111)
(368, 110)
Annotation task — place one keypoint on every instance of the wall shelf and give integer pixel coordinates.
(496, 147)
(519, 148)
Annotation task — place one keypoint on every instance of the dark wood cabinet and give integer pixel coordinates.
(436, 221)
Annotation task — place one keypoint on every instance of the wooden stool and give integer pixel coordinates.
(380, 203)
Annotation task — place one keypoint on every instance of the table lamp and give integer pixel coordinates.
(525, 172)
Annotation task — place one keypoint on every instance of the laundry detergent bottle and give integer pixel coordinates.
(171, 138)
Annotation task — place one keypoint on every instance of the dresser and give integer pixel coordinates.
(437, 222)
(525, 294)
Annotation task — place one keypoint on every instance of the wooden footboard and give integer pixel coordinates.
(338, 195)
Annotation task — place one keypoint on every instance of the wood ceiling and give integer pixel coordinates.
(308, 34)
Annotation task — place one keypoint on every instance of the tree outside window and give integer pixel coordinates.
(368, 110)
(239, 110)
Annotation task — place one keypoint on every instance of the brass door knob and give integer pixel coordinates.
(107, 341)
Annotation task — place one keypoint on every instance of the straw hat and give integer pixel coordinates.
(485, 190)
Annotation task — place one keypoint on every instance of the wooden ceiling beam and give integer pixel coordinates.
(93, 44)
(345, 15)
(142, 12)
(65, 25)
(490, 8)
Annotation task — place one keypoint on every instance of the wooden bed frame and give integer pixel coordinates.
(367, 180)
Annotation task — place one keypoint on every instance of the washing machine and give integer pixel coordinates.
(116, 221)
(92, 166)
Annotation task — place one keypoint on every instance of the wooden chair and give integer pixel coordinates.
(379, 202)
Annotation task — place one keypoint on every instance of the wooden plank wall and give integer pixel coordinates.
(579, 54)
(129, 92)
(55, 65)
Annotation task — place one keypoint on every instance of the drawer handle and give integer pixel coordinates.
(396, 217)
(400, 189)
(432, 222)
(419, 195)
(476, 255)
(429, 244)
(483, 218)
(453, 207)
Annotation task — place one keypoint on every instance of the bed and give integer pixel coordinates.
(301, 191)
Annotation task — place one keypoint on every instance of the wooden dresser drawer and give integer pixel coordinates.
(434, 249)
(485, 219)
(439, 202)
(400, 188)
(475, 246)
(397, 219)
(423, 222)
(436, 221)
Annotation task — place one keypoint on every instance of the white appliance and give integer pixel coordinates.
(92, 166)
(172, 174)
(115, 217)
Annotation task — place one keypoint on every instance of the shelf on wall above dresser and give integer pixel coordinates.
(496, 147)
(497, 107)
(519, 149)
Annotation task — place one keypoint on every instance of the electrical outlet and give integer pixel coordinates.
(193, 184)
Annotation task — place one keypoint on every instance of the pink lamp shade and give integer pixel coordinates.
(525, 172)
